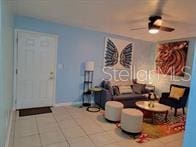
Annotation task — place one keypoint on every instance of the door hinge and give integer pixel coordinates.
(15, 101)
(17, 40)
(16, 71)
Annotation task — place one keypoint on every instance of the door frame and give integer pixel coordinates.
(16, 59)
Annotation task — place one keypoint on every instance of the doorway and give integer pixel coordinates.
(35, 67)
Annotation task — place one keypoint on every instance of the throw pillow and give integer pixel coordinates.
(102, 84)
(176, 92)
(125, 89)
(116, 90)
(138, 88)
(134, 81)
(108, 86)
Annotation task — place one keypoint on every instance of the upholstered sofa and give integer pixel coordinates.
(128, 99)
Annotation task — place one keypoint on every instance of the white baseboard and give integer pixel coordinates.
(67, 104)
(9, 130)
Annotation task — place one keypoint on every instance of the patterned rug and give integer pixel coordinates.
(160, 128)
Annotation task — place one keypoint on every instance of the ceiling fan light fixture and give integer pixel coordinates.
(155, 25)
(153, 31)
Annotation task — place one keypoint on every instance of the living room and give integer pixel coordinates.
(82, 36)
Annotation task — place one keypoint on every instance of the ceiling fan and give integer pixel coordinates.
(155, 25)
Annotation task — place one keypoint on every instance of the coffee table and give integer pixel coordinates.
(154, 108)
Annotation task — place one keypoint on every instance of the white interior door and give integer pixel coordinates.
(36, 69)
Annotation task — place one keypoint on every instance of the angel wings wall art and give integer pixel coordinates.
(118, 53)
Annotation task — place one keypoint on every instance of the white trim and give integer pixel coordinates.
(29, 31)
(15, 62)
(55, 63)
(15, 67)
(67, 104)
(70, 104)
(9, 129)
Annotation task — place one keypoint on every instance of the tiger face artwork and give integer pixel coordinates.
(171, 58)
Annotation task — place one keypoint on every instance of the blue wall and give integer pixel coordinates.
(76, 46)
(6, 68)
(190, 133)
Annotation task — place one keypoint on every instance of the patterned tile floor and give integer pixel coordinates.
(75, 127)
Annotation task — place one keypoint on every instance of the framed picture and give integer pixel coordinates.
(171, 58)
(118, 53)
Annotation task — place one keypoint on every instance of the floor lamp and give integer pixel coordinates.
(88, 83)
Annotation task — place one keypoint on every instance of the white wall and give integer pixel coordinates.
(6, 68)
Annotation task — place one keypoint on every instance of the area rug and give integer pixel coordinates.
(34, 111)
(160, 129)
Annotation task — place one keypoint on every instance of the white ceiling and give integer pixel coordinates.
(115, 16)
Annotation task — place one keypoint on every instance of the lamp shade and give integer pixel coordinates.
(89, 66)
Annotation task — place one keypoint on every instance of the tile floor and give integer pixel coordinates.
(75, 127)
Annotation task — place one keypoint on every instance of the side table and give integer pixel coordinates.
(151, 89)
(94, 108)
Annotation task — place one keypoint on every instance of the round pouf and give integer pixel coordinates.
(113, 111)
(131, 120)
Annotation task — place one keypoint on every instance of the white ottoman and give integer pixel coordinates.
(113, 111)
(131, 120)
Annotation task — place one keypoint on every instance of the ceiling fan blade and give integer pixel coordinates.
(158, 22)
(167, 29)
(134, 29)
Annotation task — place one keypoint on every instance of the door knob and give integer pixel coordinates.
(51, 73)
